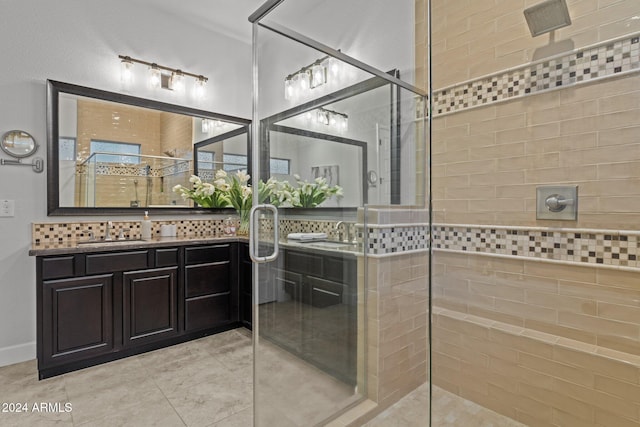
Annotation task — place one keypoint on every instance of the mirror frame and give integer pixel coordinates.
(54, 88)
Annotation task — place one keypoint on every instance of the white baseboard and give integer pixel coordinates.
(17, 353)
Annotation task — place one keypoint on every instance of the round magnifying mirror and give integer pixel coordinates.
(372, 177)
(18, 143)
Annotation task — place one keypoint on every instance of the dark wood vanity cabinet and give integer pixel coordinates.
(100, 306)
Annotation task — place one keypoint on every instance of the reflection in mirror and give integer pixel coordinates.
(308, 154)
(120, 152)
(366, 143)
(17, 143)
(227, 151)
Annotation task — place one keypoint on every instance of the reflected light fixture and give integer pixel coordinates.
(316, 74)
(209, 125)
(338, 121)
(160, 76)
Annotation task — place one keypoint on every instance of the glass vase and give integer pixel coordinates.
(243, 226)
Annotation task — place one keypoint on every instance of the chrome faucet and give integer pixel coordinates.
(344, 236)
(121, 235)
(107, 234)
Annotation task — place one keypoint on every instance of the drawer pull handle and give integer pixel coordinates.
(326, 292)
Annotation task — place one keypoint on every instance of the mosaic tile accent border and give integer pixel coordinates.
(181, 166)
(607, 59)
(390, 239)
(594, 247)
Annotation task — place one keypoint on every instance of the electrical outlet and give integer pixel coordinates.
(7, 207)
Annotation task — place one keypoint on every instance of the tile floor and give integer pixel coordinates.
(208, 382)
(449, 410)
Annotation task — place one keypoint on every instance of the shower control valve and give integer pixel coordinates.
(556, 202)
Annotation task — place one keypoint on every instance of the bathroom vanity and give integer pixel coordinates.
(101, 302)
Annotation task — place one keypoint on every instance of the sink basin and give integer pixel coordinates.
(333, 245)
(101, 243)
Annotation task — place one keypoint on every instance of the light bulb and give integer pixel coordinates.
(200, 88)
(288, 88)
(332, 120)
(317, 75)
(303, 80)
(344, 123)
(126, 72)
(206, 125)
(155, 76)
(177, 81)
(334, 67)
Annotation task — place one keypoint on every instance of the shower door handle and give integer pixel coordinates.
(253, 235)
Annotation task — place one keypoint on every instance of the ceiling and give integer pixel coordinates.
(229, 17)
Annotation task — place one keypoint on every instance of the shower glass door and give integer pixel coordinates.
(336, 144)
(307, 305)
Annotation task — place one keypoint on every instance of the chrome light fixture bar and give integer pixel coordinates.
(161, 76)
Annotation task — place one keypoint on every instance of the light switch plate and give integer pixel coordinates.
(7, 208)
(568, 193)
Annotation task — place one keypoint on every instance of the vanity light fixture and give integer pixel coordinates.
(318, 73)
(163, 77)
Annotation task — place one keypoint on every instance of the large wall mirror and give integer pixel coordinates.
(114, 153)
(361, 137)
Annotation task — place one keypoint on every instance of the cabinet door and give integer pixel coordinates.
(149, 305)
(77, 318)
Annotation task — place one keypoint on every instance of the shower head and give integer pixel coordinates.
(547, 16)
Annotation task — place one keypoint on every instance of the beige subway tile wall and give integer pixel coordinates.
(489, 160)
(546, 343)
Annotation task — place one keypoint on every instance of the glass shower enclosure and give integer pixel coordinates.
(339, 233)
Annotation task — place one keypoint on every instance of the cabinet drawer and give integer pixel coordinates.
(303, 263)
(206, 279)
(206, 254)
(207, 312)
(117, 261)
(58, 267)
(325, 293)
(166, 257)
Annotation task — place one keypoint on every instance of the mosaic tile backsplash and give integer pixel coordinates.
(73, 231)
(604, 60)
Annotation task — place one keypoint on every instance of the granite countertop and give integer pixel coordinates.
(75, 247)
